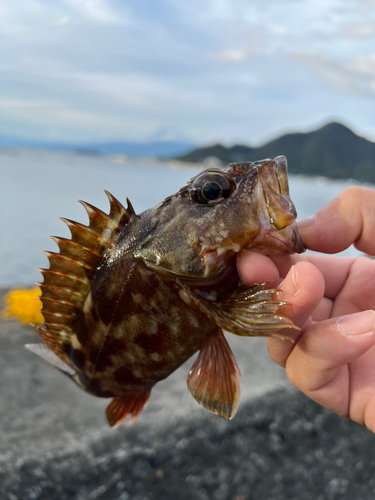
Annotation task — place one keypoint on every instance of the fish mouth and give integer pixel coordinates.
(286, 241)
(275, 212)
(268, 223)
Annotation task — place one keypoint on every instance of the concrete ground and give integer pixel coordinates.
(55, 442)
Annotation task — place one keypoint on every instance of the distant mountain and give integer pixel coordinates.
(128, 148)
(332, 151)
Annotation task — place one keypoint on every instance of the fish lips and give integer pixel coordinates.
(274, 211)
(279, 242)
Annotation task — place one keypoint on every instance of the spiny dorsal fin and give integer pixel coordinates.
(68, 279)
(118, 212)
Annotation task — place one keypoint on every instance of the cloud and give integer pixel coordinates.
(62, 21)
(25, 104)
(232, 55)
(364, 68)
(60, 117)
(97, 10)
(226, 69)
(360, 31)
(355, 76)
(364, 64)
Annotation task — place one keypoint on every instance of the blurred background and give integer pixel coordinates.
(135, 97)
(195, 72)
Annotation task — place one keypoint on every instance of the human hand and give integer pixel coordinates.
(332, 300)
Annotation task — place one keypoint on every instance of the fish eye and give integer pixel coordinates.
(211, 188)
(211, 191)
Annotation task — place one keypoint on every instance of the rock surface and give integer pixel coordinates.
(55, 443)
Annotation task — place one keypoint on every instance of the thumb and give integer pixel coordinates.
(318, 363)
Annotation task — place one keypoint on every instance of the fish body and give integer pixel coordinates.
(131, 297)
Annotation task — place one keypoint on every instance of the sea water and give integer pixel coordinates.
(37, 187)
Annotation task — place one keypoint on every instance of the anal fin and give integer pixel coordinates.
(45, 353)
(214, 379)
(122, 406)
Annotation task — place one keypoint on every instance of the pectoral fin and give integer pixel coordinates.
(248, 311)
(214, 379)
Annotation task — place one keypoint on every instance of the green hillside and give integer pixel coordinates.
(332, 151)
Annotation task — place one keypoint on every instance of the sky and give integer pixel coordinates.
(230, 71)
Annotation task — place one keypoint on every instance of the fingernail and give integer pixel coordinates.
(294, 276)
(304, 223)
(289, 286)
(362, 323)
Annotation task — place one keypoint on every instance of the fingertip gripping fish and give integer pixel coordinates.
(129, 298)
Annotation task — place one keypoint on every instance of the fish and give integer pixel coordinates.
(129, 298)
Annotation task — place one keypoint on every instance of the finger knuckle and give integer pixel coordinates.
(293, 375)
(353, 192)
(277, 355)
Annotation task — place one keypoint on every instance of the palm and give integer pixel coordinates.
(336, 372)
(357, 293)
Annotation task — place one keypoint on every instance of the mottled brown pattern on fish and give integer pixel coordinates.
(78, 358)
(153, 343)
(150, 338)
(95, 387)
(131, 297)
(82, 331)
(112, 347)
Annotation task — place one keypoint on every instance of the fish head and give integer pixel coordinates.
(199, 230)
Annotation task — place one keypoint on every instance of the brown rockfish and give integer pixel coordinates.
(130, 297)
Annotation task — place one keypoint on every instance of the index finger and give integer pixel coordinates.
(348, 219)
(335, 270)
